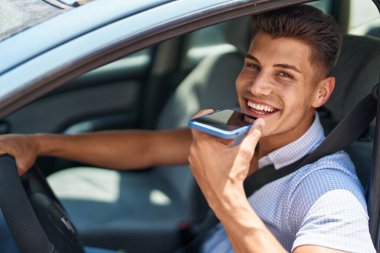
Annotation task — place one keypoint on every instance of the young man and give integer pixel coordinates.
(318, 208)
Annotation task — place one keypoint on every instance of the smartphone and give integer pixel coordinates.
(226, 124)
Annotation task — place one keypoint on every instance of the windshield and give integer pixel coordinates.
(18, 15)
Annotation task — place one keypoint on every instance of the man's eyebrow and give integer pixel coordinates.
(251, 57)
(281, 65)
(287, 66)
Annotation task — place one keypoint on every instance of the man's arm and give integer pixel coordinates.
(110, 149)
(244, 228)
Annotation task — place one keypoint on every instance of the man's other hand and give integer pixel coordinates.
(24, 148)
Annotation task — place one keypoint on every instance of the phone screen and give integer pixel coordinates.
(228, 120)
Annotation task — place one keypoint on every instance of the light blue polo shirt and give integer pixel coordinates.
(320, 204)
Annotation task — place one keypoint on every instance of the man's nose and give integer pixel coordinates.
(260, 85)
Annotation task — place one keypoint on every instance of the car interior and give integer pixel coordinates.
(161, 87)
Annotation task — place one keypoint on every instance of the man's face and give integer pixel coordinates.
(278, 83)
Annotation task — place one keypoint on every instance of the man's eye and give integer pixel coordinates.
(252, 66)
(285, 75)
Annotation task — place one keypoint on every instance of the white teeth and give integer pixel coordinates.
(260, 107)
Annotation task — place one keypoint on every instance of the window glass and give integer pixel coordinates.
(208, 36)
(206, 41)
(130, 68)
(139, 60)
(364, 18)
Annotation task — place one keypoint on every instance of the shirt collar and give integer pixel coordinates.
(297, 149)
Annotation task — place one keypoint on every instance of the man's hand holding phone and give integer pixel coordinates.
(221, 169)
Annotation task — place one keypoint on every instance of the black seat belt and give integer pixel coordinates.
(349, 129)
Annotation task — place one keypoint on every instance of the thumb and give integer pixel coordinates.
(249, 143)
(254, 133)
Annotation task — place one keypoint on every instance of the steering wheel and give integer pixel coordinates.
(35, 217)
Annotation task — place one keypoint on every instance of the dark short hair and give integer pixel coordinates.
(307, 24)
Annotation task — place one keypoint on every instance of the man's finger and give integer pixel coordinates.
(259, 124)
(203, 112)
(249, 143)
(254, 134)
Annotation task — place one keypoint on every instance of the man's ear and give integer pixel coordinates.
(323, 92)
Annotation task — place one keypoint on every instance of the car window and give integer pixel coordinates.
(206, 41)
(364, 18)
(138, 59)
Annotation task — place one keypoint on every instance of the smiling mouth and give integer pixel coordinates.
(260, 109)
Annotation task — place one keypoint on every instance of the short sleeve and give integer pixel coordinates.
(336, 220)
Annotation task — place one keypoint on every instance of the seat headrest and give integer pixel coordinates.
(356, 72)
